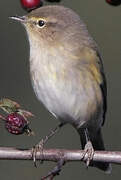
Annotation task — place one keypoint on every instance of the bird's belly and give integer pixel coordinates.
(70, 101)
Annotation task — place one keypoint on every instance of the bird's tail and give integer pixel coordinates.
(98, 144)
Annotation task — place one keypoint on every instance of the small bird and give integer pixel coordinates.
(67, 72)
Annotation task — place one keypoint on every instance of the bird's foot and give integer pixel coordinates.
(37, 148)
(40, 145)
(89, 151)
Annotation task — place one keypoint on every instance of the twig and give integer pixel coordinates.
(56, 154)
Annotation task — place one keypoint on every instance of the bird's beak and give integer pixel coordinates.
(21, 19)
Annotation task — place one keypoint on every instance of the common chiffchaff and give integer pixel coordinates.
(67, 72)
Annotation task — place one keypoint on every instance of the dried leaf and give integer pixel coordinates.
(25, 113)
(8, 105)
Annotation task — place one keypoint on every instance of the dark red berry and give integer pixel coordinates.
(16, 123)
(114, 2)
(31, 4)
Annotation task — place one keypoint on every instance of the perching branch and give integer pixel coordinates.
(56, 154)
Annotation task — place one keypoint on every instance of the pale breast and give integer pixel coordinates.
(69, 93)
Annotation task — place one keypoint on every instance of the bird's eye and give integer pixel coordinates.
(41, 23)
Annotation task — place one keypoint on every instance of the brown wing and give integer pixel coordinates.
(103, 87)
(96, 68)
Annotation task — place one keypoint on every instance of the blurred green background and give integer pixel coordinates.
(104, 24)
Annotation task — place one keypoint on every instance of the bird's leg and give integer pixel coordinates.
(55, 171)
(89, 150)
(40, 145)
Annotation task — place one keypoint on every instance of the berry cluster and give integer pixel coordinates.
(29, 5)
(16, 123)
(16, 120)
